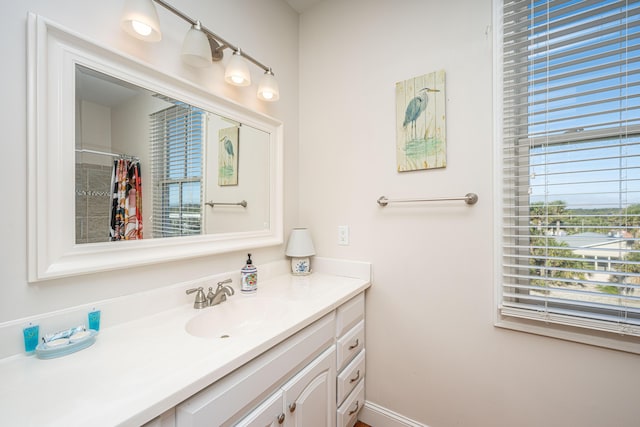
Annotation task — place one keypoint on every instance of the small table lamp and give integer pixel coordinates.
(300, 248)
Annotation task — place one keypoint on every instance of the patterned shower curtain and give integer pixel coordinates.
(126, 203)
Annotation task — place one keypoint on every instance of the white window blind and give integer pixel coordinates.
(571, 163)
(176, 158)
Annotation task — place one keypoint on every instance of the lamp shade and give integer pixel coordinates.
(300, 243)
(140, 19)
(196, 50)
(237, 73)
(268, 88)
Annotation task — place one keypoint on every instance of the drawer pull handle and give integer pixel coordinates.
(351, 347)
(356, 409)
(357, 377)
(280, 418)
(292, 407)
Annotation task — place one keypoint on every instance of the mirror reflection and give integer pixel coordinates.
(150, 166)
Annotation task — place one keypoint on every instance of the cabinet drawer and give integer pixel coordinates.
(350, 377)
(349, 345)
(349, 314)
(348, 411)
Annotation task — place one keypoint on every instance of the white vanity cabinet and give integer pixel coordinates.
(350, 360)
(236, 397)
(307, 399)
(313, 378)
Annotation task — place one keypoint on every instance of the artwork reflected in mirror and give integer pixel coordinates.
(228, 156)
(146, 164)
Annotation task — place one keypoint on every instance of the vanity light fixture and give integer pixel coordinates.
(196, 50)
(268, 87)
(300, 248)
(140, 19)
(237, 73)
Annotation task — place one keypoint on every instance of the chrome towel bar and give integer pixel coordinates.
(469, 198)
(212, 204)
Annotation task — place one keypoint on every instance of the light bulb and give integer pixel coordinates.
(141, 28)
(140, 19)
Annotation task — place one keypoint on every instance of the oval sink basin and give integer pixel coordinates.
(239, 315)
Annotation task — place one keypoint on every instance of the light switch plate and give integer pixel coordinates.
(343, 235)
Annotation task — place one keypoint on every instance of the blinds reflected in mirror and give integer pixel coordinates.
(177, 135)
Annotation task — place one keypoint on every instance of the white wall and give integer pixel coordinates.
(267, 29)
(433, 353)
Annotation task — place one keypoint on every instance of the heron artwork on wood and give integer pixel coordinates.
(420, 123)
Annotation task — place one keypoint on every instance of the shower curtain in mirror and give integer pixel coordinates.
(126, 203)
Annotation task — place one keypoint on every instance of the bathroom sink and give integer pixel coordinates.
(239, 315)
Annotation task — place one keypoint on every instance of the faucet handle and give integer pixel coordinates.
(190, 291)
(201, 299)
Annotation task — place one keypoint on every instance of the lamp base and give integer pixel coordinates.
(300, 266)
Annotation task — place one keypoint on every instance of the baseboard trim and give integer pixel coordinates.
(378, 416)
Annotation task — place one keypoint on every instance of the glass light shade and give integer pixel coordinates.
(196, 50)
(237, 73)
(140, 19)
(300, 243)
(268, 88)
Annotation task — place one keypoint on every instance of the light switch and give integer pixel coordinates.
(343, 235)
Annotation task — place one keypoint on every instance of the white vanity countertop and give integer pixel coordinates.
(137, 370)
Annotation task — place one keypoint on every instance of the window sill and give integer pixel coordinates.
(608, 340)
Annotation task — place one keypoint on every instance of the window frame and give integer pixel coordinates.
(568, 332)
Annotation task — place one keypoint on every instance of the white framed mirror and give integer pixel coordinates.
(85, 115)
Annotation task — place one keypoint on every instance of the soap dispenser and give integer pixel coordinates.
(249, 274)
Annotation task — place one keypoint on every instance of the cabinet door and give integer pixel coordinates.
(268, 414)
(310, 396)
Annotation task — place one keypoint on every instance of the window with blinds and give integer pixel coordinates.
(570, 153)
(177, 135)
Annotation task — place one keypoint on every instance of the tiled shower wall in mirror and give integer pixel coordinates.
(93, 197)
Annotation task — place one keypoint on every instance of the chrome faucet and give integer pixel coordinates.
(220, 295)
(212, 298)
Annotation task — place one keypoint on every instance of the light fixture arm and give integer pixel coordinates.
(223, 44)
